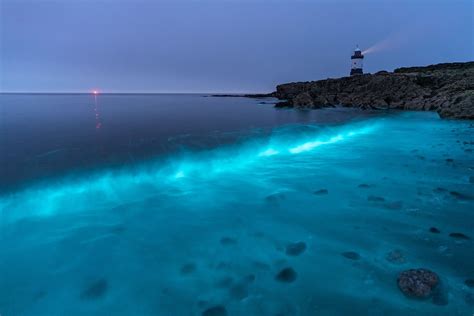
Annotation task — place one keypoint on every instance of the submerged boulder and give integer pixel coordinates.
(217, 310)
(95, 290)
(417, 283)
(351, 255)
(459, 236)
(286, 275)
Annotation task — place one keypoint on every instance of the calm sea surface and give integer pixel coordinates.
(48, 135)
(194, 205)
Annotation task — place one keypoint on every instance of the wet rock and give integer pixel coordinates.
(95, 290)
(459, 236)
(351, 255)
(228, 241)
(295, 249)
(218, 310)
(469, 283)
(449, 160)
(321, 192)
(460, 196)
(417, 283)
(286, 275)
(434, 230)
(373, 198)
(188, 268)
(395, 256)
(363, 186)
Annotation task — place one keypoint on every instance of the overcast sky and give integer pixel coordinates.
(219, 46)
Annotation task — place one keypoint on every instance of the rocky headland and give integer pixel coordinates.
(446, 88)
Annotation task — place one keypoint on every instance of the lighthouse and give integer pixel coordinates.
(357, 62)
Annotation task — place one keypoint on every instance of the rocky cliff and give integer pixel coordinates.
(445, 88)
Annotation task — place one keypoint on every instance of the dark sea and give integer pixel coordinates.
(200, 205)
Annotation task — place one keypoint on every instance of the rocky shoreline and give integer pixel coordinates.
(445, 88)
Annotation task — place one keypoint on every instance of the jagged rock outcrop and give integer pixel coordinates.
(445, 88)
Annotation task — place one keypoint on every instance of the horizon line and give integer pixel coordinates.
(130, 93)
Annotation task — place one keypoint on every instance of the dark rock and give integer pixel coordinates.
(188, 268)
(434, 230)
(445, 88)
(95, 290)
(396, 256)
(459, 236)
(218, 310)
(286, 275)
(469, 283)
(461, 196)
(295, 249)
(417, 283)
(364, 186)
(228, 241)
(351, 255)
(440, 190)
(321, 192)
(449, 160)
(373, 198)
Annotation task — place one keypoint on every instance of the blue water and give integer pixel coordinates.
(177, 232)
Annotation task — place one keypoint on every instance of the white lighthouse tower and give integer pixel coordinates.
(357, 62)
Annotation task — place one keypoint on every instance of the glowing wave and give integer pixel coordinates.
(110, 189)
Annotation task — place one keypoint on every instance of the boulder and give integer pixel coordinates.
(417, 283)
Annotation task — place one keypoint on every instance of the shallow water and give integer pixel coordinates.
(179, 234)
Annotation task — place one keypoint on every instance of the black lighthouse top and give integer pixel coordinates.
(357, 54)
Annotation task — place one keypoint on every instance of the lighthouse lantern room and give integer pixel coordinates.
(357, 62)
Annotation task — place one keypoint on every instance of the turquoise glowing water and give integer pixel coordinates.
(177, 234)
